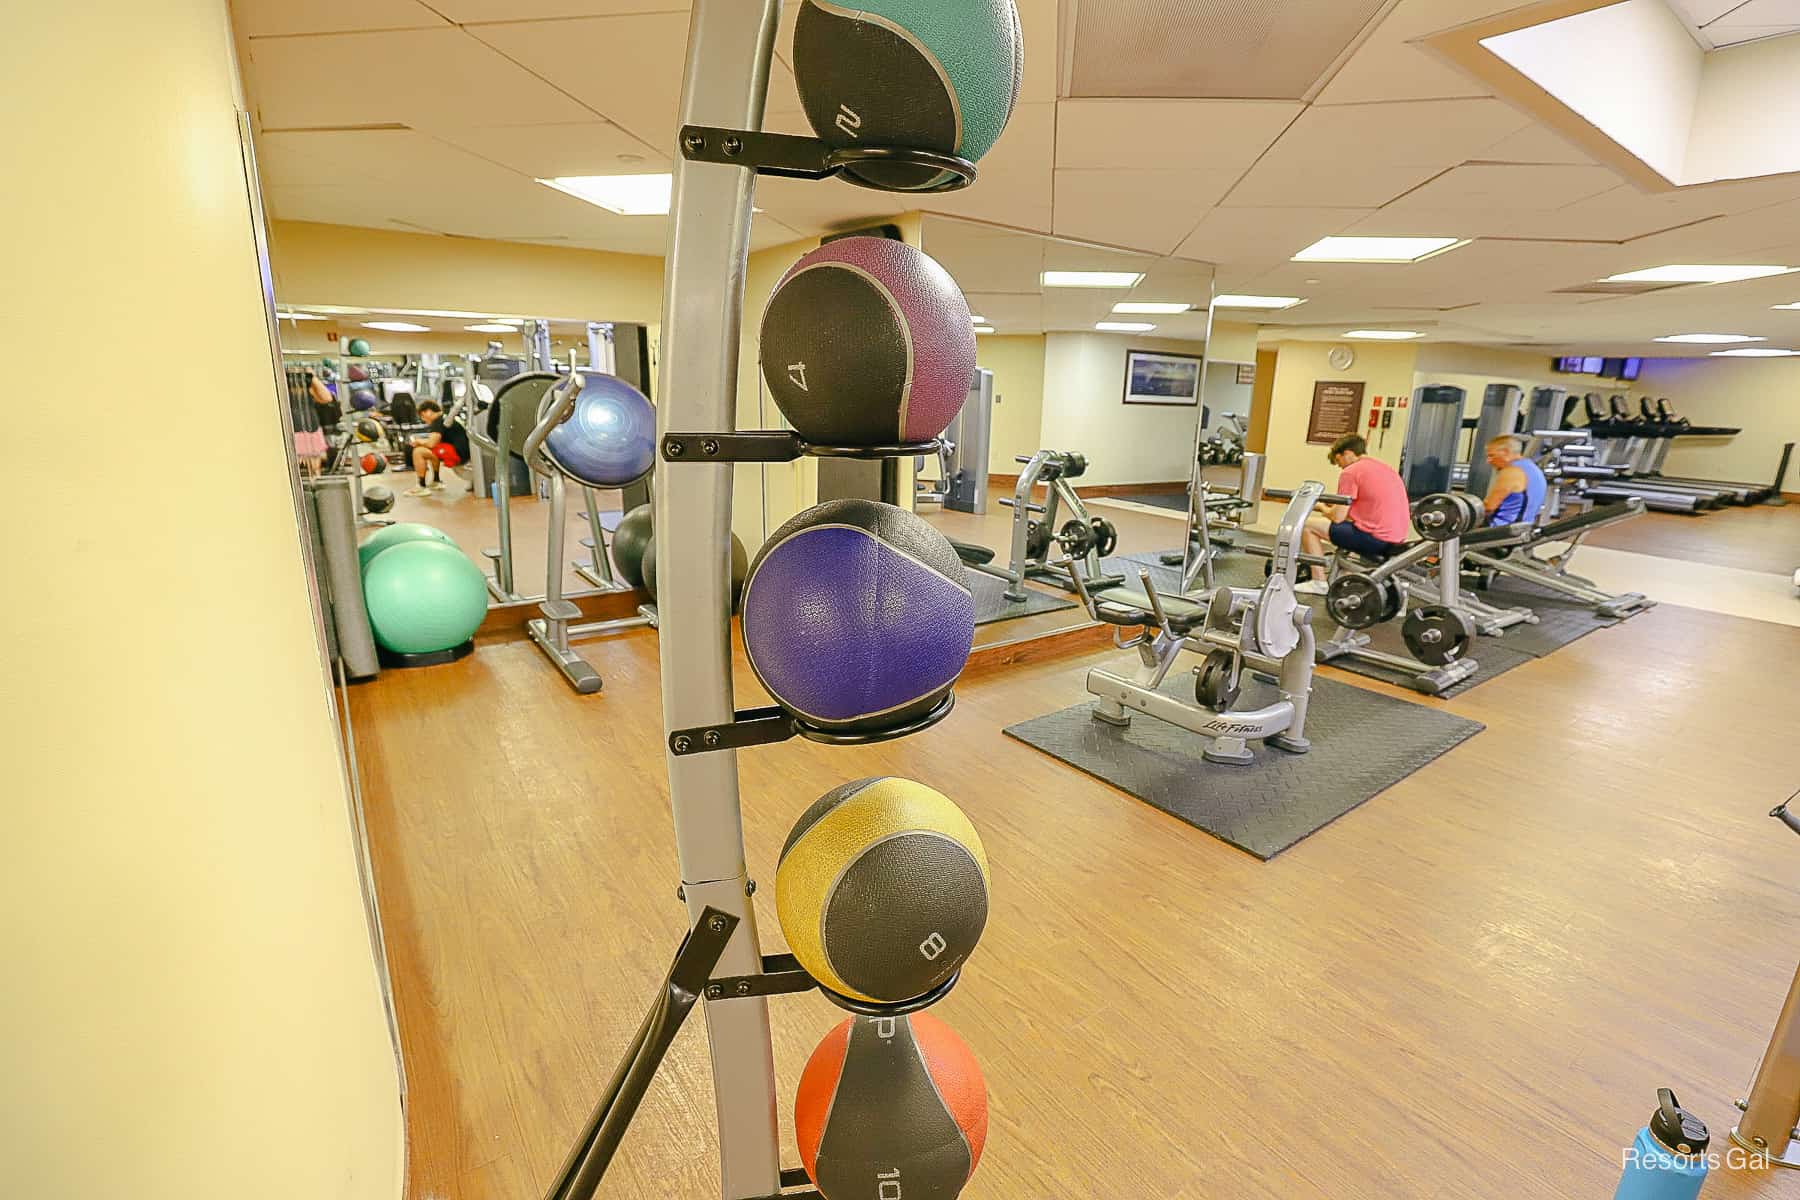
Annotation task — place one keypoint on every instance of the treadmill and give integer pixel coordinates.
(1621, 438)
(1676, 426)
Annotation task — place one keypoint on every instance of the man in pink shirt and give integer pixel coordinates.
(1378, 518)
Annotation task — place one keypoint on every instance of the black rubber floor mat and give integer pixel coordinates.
(1362, 744)
(1177, 501)
(1561, 620)
(1493, 657)
(992, 605)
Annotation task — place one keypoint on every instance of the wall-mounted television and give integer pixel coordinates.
(1633, 367)
(1592, 365)
(1566, 366)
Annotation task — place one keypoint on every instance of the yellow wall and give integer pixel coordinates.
(1759, 396)
(1018, 424)
(1386, 369)
(376, 268)
(191, 1002)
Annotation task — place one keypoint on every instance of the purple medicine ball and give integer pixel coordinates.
(868, 342)
(858, 616)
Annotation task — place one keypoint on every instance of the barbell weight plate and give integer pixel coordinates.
(1355, 601)
(1074, 465)
(1077, 539)
(1106, 537)
(1037, 540)
(1436, 635)
(1440, 517)
(1391, 599)
(1213, 686)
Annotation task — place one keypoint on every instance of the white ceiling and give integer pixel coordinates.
(436, 117)
(1721, 23)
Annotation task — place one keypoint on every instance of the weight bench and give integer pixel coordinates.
(1505, 551)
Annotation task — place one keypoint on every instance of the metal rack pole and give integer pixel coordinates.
(729, 47)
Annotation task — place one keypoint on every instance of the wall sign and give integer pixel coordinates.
(1246, 373)
(1155, 377)
(1336, 408)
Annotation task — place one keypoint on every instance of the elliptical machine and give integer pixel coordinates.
(1265, 630)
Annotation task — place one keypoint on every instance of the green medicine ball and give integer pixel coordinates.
(358, 348)
(423, 597)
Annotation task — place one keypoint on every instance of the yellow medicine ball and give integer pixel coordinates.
(882, 889)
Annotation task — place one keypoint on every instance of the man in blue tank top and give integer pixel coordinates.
(1516, 492)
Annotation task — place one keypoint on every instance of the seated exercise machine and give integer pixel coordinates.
(1266, 630)
(556, 630)
(1447, 519)
(962, 457)
(1082, 537)
(1364, 593)
(1215, 514)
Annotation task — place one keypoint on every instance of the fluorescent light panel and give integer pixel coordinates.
(1124, 327)
(1384, 335)
(628, 195)
(984, 329)
(1757, 352)
(975, 320)
(496, 327)
(1376, 249)
(1152, 307)
(1695, 273)
(396, 327)
(1256, 301)
(1093, 279)
(297, 316)
(1787, 307)
(1711, 339)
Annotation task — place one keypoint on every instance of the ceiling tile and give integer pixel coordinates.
(1168, 133)
(1387, 67)
(469, 11)
(409, 78)
(1020, 199)
(639, 91)
(549, 151)
(1507, 186)
(1535, 144)
(1245, 234)
(814, 207)
(1438, 133)
(1324, 185)
(270, 18)
(1146, 210)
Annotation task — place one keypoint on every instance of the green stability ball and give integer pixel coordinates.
(394, 535)
(358, 348)
(424, 596)
(740, 567)
(631, 541)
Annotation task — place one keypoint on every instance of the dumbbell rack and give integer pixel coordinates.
(730, 43)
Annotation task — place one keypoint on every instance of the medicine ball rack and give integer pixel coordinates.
(730, 47)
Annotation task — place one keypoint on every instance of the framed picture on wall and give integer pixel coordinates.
(1156, 377)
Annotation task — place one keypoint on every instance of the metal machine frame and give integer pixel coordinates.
(556, 629)
(1266, 630)
(1044, 467)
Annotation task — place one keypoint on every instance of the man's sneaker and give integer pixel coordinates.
(418, 491)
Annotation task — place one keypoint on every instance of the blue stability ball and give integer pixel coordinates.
(610, 438)
(858, 616)
(424, 596)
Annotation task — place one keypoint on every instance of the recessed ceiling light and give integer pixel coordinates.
(1152, 307)
(1376, 249)
(1093, 279)
(1757, 352)
(515, 322)
(1692, 273)
(975, 320)
(493, 328)
(1711, 339)
(1124, 327)
(984, 329)
(1786, 307)
(335, 309)
(396, 327)
(1384, 335)
(297, 316)
(1256, 301)
(628, 195)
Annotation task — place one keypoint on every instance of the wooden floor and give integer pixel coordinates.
(1758, 538)
(1471, 986)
